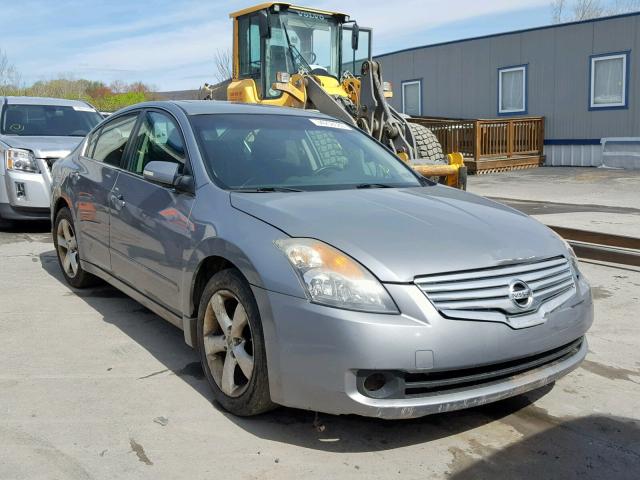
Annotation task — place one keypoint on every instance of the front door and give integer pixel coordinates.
(97, 172)
(150, 226)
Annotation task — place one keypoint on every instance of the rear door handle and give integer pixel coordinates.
(117, 201)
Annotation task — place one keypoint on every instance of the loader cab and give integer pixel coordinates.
(274, 41)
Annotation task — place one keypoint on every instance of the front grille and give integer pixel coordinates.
(401, 384)
(486, 294)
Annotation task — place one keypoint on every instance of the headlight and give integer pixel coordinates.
(23, 160)
(573, 258)
(332, 278)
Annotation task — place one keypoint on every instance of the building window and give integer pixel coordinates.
(512, 90)
(412, 97)
(608, 81)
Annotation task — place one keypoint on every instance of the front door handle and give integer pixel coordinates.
(118, 201)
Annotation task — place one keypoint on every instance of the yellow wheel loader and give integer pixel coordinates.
(300, 57)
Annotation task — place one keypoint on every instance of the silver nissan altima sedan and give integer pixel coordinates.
(311, 268)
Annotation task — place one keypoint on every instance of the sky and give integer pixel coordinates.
(171, 44)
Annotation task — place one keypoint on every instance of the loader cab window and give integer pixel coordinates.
(352, 60)
(300, 41)
(249, 51)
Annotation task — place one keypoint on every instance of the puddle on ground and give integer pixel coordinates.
(600, 293)
(607, 371)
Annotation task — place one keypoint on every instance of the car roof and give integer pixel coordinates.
(61, 102)
(207, 107)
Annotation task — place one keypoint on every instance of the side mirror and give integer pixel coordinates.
(166, 174)
(355, 36)
(264, 24)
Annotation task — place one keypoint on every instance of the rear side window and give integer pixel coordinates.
(112, 142)
(158, 140)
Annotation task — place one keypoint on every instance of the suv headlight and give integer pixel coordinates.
(332, 278)
(22, 160)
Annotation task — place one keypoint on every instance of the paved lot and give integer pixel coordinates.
(92, 385)
(594, 199)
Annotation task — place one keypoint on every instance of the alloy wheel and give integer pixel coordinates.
(67, 248)
(228, 343)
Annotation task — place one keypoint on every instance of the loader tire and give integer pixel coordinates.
(428, 146)
(328, 148)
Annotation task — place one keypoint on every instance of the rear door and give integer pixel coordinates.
(97, 172)
(150, 226)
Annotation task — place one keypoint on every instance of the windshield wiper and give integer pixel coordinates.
(293, 51)
(374, 185)
(266, 190)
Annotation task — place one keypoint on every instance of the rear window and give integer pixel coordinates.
(48, 120)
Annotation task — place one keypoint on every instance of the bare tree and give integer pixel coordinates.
(586, 9)
(222, 60)
(118, 86)
(565, 11)
(9, 77)
(557, 10)
(622, 6)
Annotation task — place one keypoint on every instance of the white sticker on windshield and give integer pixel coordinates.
(83, 109)
(329, 124)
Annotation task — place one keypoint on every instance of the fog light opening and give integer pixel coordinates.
(375, 382)
(20, 190)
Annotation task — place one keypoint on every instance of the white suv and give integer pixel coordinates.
(34, 133)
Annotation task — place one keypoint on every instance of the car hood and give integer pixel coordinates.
(43, 147)
(399, 234)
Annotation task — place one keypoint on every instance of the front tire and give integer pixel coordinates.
(66, 245)
(5, 224)
(231, 345)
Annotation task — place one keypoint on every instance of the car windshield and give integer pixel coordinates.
(287, 152)
(48, 120)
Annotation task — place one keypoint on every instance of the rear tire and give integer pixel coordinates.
(66, 245)
(428, 146)
(231, 345)
(5, 224)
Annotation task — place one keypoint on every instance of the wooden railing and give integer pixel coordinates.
(488, 138)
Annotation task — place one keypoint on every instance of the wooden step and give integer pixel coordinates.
(495, 165)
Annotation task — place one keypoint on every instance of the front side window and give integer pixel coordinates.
(283, 151)
(412, 97)
(609, 81)
(158, 140)
(112, 142)
(512, 90)
(48, 120)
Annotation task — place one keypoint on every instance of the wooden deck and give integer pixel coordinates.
(491, 145)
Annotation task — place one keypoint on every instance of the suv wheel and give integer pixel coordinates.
(66, 245)
(231, 345)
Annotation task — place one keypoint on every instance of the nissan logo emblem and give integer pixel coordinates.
(520, 294)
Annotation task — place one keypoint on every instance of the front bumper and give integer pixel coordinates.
(315, 353)
(25, 195)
